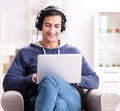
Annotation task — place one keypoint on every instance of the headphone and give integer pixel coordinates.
(46, 12)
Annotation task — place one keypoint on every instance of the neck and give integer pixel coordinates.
(50, 45)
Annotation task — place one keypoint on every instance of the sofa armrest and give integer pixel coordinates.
(12, 101)
(93, 100)
(97, 100)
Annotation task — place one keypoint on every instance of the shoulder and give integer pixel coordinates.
(70, 48)
(28, 48)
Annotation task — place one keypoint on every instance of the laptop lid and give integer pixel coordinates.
(66, 66)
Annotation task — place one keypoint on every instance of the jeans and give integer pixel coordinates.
(55, 94)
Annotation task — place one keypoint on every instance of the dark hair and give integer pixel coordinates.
(50, 11)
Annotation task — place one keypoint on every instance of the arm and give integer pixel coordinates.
(16, 77)
(89, 78)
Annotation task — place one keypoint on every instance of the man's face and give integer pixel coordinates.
(51, 28)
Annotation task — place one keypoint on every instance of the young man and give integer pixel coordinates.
(52, 93)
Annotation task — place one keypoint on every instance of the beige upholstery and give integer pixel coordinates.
(12, 101)
(93, 100)
(97, 100)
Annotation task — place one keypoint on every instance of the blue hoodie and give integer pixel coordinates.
(19, 75)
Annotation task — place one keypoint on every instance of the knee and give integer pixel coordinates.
(49, 81)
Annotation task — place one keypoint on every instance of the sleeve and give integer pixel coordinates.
(15, 79)
(89, 79)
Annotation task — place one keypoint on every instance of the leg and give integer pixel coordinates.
(60, 105)
(50, 89)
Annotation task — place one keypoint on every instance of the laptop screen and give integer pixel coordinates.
(66, 66)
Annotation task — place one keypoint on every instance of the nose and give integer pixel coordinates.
(52, 29)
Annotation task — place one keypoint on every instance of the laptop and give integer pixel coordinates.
(66, 66)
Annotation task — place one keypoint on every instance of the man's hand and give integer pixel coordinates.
(35, 78)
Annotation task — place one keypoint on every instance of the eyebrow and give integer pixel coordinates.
(49, 23)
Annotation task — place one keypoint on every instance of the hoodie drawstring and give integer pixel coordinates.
(44, 52)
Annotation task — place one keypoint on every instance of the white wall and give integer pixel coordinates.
(17, 21)
(80, 22)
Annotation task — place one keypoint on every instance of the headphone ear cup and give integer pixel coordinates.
(63, 27)
(38, 25)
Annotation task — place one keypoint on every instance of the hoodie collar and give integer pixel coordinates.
(62, 43)
(44, 51)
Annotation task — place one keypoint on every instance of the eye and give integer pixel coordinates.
(57, 26)
(47, 25)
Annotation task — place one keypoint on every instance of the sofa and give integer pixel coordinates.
(92, 100)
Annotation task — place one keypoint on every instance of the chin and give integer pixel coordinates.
(52, 39)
